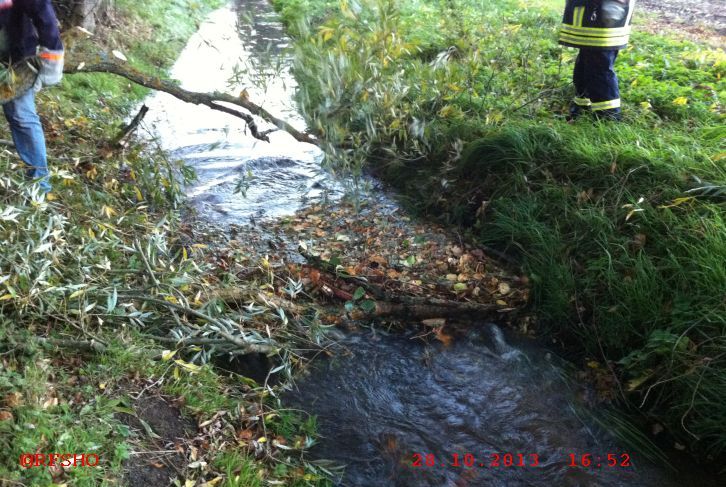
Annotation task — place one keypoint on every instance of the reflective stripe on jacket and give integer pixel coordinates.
(597, 24)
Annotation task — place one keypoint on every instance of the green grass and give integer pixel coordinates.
(152, 36)
(72, 269)
(626, 264)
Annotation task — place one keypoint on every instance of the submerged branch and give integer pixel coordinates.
(211, 100)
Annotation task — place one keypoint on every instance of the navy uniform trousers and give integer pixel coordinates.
(596, 84)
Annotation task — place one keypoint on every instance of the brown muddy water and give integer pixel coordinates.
(488, 410)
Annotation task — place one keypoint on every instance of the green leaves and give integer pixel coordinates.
(368, 306)
(359, 293)
(111, 301)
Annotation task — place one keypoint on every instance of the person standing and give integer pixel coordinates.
(599, 28)
(29, 28)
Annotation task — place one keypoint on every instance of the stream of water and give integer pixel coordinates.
(239, 48)
(384, 399)
(497, 406)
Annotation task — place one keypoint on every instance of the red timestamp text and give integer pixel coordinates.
(589, 460)
(506, 460)
(492, 460)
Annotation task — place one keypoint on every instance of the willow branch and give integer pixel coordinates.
(212, 100)
(26, 343)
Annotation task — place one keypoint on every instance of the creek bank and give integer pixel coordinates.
(603, 217)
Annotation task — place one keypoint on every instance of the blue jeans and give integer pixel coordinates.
(28, 136)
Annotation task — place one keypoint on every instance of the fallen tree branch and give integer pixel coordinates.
(237, 341)
(128, 129)
(228, 340)
(417, 308)
(401, 306)
(76, 345)
(85, 346)
(211, 100)
(424, 311)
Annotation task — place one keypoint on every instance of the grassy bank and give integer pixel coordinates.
(460, 104)
(101, 280)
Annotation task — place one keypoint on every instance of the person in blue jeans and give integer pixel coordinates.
(29, 28)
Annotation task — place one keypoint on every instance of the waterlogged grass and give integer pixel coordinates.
(461, 103)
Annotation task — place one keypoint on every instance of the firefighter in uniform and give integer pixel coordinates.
(599, 28)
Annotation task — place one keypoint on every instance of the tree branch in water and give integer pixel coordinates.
(212, 100)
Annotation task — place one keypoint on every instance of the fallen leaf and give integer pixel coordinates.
(213, 482)
(119, 55)
(315, 276)
(50, 402)
(380, 260)
(393, 273)
(443, 337)
(166, 355)
(681, 100)
(13, 400)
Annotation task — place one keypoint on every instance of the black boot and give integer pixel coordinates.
(612, 115)
(575, 112)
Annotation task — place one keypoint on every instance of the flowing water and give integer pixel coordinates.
(508, 412)
(230, 53)
(505, 413)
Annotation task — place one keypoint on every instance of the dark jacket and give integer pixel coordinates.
(596, 24)
(30, 24)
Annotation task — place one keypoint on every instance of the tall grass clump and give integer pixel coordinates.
(460, 105)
